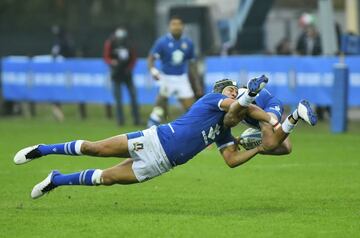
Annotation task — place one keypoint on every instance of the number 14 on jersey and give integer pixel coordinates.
(213, 132)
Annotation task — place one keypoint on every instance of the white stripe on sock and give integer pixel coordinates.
(96, 177)
(65, 148)
(84, 176)
(78, 144)
(81, 174)
(69, 148)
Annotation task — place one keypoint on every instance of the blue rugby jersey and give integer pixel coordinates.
(173, 54)
(202, 125)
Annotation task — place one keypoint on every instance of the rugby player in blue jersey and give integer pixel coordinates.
(177, 57)
(156, 150)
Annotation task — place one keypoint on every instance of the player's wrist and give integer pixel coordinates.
(260, 149)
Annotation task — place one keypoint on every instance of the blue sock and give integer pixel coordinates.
(155, 117)
(68, 148)
(85, 177)
(151, 122)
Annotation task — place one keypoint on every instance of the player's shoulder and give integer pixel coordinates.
(212, 99)
(187, 40)
(162, 39)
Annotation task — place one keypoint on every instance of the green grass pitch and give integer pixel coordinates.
(314, 192)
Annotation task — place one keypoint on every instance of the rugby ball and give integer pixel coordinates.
(250, 138)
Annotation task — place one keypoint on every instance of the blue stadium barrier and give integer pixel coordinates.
(87, 80)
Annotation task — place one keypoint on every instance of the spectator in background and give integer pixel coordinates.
(121, 58)
(283, 47)
(63, 44)
(309, 43)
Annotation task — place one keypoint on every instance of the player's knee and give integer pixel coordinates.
(90, 148)
(270, 145)
(287, 148)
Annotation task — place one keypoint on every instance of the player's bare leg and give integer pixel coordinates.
(116, 146)
(280, 142)
(187, 102)
(304, 112)
(237, 113)
(159, 112)
(119, 174)
(111, 147)
(284, 148)
(260, 115)
(122, 173)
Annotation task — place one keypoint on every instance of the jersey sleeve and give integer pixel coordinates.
(214, 100)
(156, 50)
(226, 139)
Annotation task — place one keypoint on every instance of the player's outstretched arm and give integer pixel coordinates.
(234, 157)
(194, 79)
(151, 66)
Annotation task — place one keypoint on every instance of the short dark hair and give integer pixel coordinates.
(176, 17)
(223, 83)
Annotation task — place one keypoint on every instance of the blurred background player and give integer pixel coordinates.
(121, 58)
(176, 53)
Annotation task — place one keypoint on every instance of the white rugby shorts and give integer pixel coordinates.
(149, 158)
(175, 85)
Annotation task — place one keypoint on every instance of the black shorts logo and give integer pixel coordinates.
(138, 146)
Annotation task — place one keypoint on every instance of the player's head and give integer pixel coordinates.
(227, 87)
(176, 26)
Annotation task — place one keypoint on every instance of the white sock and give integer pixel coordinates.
(78, 144)
(155, 117)
(287, 126)
(295, 115)
(157, 114)
(96, 178)
(245, 100)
